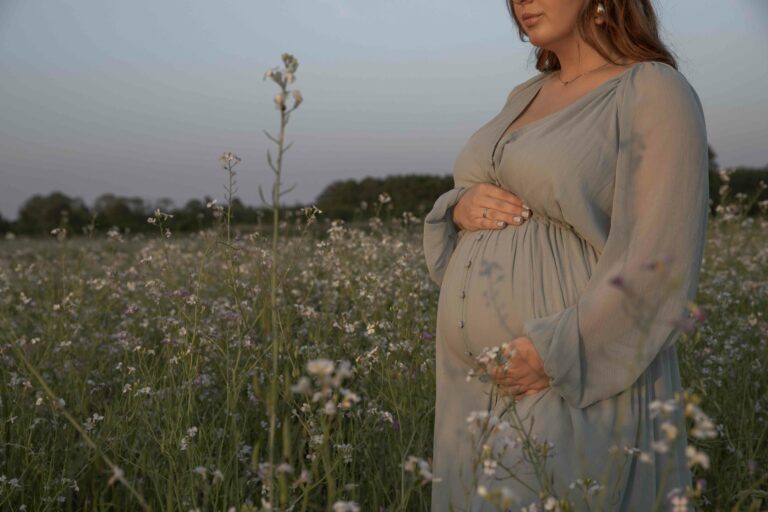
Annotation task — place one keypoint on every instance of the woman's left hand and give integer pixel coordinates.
(523, 374)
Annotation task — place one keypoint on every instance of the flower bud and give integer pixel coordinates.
(297, 98)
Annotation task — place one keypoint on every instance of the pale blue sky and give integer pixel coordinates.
(142, 97)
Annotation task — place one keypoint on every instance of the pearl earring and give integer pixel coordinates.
(600, 9)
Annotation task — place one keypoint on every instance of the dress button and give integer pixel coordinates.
(468, 353)
(469, 263)
(461, 323)
(463, 294)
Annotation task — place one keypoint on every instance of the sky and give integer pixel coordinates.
(141, 98)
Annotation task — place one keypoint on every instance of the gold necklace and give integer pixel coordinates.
(572, 79)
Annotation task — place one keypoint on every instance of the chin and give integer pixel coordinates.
(538, 40)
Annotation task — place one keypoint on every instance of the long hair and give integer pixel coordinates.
(630, 25)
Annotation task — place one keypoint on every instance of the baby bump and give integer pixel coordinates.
(497, 279)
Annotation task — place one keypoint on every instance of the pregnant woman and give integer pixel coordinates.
(575, 232)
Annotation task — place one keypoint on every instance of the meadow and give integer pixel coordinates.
(293, 368)
(158, 348)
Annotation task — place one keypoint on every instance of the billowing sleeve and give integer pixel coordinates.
(440, 233)
(649, 267)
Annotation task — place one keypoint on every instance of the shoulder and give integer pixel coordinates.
(653, 88)
(527, 83)
(651, 83)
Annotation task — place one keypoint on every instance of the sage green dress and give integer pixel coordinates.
(616, 181)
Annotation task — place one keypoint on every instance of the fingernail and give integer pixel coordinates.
(516, 218)
(526, 207)
(500, 223)
(526, 213)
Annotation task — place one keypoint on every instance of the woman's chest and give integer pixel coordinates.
(566, 157)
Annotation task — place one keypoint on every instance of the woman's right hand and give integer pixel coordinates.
(503, 206)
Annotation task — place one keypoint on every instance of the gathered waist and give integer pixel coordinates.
(539, 217)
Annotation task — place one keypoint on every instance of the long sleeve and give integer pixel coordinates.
(627, 313)
(440, 233)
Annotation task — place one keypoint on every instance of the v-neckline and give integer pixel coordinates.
(536, 88)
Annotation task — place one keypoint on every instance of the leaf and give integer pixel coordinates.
(271, 137)
(263, 200)
(288, 189)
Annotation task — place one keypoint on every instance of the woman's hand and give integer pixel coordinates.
(503, 207)
(523, 374)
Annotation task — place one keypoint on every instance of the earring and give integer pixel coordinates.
(600, 9)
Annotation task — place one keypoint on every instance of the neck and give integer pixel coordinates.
(576, 57)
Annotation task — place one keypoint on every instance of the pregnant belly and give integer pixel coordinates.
(497, 279)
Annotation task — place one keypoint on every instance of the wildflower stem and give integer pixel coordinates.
(290, 64)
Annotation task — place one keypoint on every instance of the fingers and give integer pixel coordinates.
(504, 206)
(499, 210)
(515, 370)
(516, 378)
(518, 392)
(489, 223)
(504, 200)
(499, 193)
(509, 376)
(525, 381)
(496, 219)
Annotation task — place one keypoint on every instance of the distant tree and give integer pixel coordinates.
(5, 226)
(743, 180)
(713, 165)
(714, 180)
(414, 193)
(122, 212)
(193, 216)
(164, 203)
(40, 214)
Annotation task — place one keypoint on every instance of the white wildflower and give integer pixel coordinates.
(695, 456)
(320, 367)
(346, 506)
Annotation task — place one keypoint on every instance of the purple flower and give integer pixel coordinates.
(697, 313)
(651, 265)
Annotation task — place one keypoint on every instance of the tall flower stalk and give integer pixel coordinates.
(282, 78)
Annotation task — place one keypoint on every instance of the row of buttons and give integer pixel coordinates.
(462, 322)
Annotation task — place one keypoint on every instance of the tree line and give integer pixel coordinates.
(349, 200)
